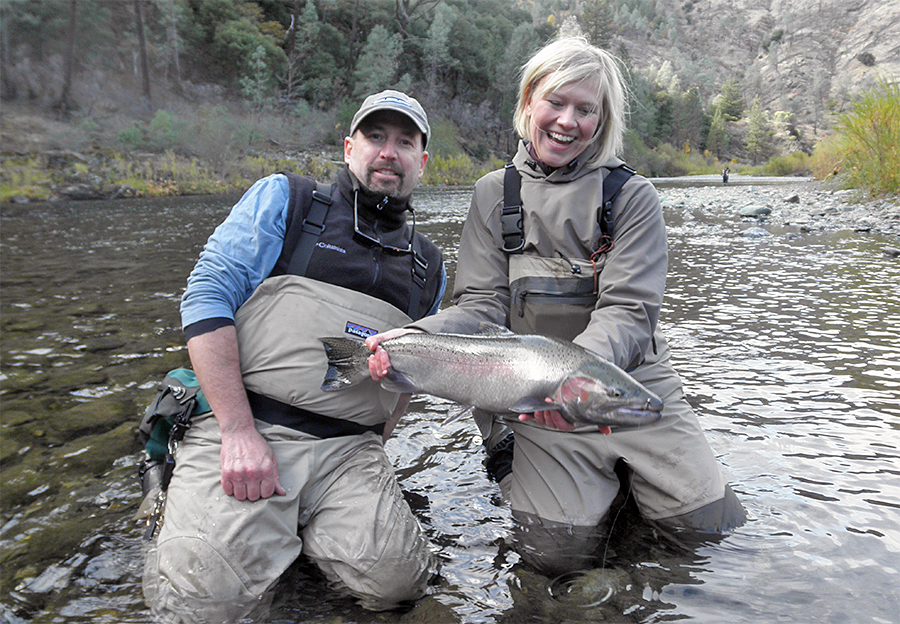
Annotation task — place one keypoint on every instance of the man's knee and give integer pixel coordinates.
(185, 577)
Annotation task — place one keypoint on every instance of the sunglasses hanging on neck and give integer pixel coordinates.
(363, 238)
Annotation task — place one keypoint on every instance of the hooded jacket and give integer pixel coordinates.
(560, 217)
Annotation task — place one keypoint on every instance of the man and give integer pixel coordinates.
(278, 467)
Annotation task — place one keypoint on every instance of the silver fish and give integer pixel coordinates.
(503, 373)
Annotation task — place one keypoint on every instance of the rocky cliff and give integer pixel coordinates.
(805, 56)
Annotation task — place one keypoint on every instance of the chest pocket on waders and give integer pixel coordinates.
(552, 296)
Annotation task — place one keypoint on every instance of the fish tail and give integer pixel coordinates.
(348, 363)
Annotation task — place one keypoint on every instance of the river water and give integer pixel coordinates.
(788, 344)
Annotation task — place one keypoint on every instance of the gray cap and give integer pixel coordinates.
(395, 101)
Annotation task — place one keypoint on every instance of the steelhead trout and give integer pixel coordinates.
(501, 373)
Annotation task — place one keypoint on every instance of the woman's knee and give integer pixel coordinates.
(388, 583)
(719, 516)
(553, 548)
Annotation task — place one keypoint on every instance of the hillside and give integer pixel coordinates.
(231, 78)
(801, 56)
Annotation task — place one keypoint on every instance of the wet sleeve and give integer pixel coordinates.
(239, 254)
(481, 286)
(442, 288)
(632, 283)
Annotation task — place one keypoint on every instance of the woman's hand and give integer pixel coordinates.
(552, 418)
(548, 418)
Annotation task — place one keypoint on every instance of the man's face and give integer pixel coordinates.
(386, 154)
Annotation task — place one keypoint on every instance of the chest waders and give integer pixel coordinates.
(554, 296)
(179, 396)
(548, 296)
(279, 326)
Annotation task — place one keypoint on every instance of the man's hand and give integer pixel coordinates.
(249, 468)
(379, 362)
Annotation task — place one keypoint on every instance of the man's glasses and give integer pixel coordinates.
(360, 237)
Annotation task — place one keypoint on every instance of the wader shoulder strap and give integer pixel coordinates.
(301, 235)
(612, 184)
(419, 273)
(511, 216)
(511, 227)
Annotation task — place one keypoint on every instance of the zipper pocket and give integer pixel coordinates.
(556, 297)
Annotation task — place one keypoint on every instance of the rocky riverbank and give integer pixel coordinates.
(803, 206)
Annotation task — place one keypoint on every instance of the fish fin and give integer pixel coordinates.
(528, 405)
(457, 413)
(348, 363)
(398, 382)
(492, 329)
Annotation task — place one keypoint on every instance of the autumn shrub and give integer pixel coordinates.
(452, 169)
(865, 145)
(796, 163)
(24, 177)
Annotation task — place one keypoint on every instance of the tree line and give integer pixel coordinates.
(296, 57)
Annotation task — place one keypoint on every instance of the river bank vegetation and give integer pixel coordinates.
(180, 97)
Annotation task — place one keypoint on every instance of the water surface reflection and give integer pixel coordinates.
(788, 347)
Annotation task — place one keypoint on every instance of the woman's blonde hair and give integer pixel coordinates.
(572, 59)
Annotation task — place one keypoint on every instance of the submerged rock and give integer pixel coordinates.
(755, 232)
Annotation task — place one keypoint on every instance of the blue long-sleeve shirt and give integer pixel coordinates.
(241, 253)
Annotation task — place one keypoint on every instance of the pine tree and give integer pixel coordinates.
(257, 86)
(377, 64)
(730, 101)
(756, 141)
(437, 45)
(598, 24)
(718, 136)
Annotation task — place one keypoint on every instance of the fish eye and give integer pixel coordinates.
(614, 393)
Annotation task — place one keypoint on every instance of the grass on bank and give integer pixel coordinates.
(864, 147)
(213, 149)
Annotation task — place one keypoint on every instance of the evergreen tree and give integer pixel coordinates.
(301, 38)
(717, 139)
(664, 105)
(437, 48)
(378, 62)
(688, 119)
(522, 44)
(730, 101)
(257, 85)
(642, 108)
(756, 141)
(597, 23)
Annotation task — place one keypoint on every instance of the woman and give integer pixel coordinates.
(571, 115)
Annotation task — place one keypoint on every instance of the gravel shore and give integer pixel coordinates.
(806, 205)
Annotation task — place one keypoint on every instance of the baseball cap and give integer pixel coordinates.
(395, 101)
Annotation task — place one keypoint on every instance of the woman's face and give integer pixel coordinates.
(563, 122)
